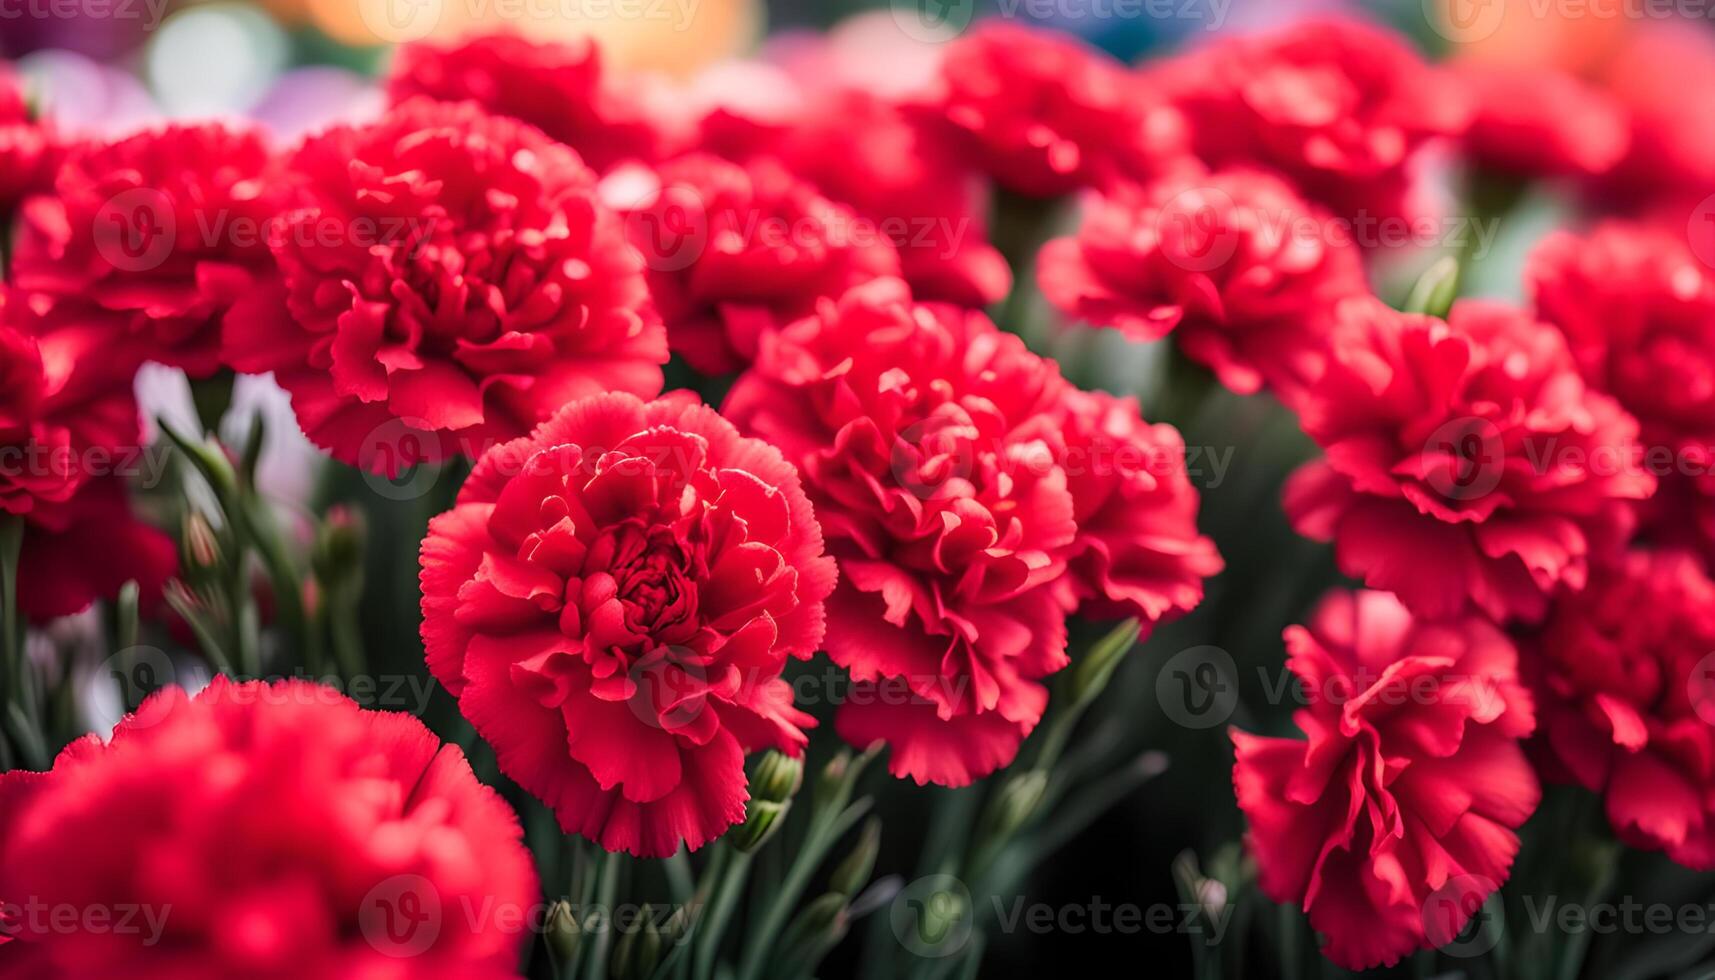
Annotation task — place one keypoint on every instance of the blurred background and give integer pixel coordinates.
(103, 67)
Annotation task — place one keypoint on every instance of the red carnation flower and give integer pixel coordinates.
(1540, 122)
(68, 428)
(1467, 464)
(152, 240)
(561, 89)
(933, 447)
(1339, 106)
(1627, 687)
(900, 168)
(1235, 263)
(612, 601)
(737, 252)
(264, 830)
(1137, 552)
(1672, 136)
(27, 148)
(1638, 311)
(1397, 815)
(451, 282)
(1045, 114)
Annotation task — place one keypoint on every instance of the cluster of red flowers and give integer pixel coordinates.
(504, 265)
(266, 830)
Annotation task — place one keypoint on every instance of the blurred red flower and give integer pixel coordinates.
(1397, 815)
(1045, 114)
(28, 150)
(735, 252)
(152, 240)
(449, 283)
(1637, 307)
(1242, 270)
(1466, 462)
(1339, 106)
(263, 830)
(68, 429)
(900, 167)
(1626, 681)
(563, 89)
(612, 601)
(1539, 122)
(935, 449)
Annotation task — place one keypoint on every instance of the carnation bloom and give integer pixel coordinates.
(1045, 114)
(450, 281)
(1137, 552)
(152, 239)
(1672, 136)
(1241, 269)
(735, 252)
(1638, 311)
(68, 427)
(900, 168)
(1397, 815)
(262, 830)
(27, 148)
(1466, 462)
(1539, 122)
(936, 451)
(1626, 681)
(560, 88)
(1339, 106)
(612, 601)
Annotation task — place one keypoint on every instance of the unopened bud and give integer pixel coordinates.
(851, 874)
(563, 932)
(338, 549)
(201, 549)
(639, 951)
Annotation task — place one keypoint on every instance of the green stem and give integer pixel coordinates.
(11, 627)
(607, 890)
(730, 874)
(826, 828)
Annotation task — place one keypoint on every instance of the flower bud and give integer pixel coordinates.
(851, 874)
(200, 549)
(772, 786)
(338, 550)
(639, 951)
(1014, 804)
(815, 930)
(563, 932)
